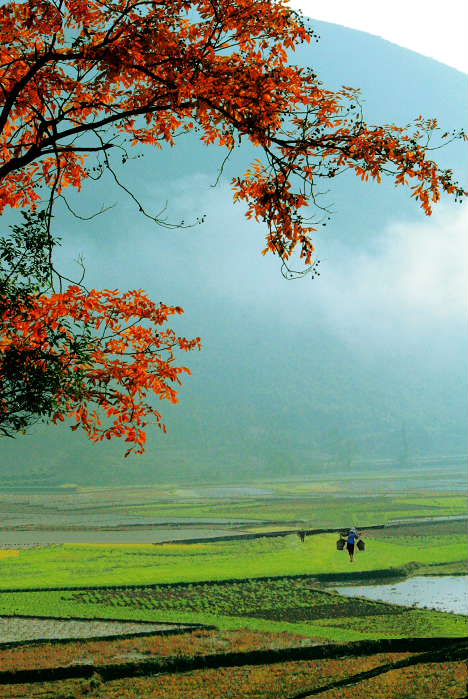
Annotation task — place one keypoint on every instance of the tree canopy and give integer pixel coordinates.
(84, 81)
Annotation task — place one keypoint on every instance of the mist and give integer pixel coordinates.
(294, 376)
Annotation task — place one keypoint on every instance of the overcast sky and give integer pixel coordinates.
(435, 29)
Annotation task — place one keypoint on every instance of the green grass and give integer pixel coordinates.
(114, 564)
(275, 605)
(447, 502)
(425, 540)
(456, 568)
(419, 529)
(412, 622)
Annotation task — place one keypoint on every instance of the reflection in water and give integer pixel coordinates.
(447, 593)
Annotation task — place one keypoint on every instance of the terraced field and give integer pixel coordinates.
(237, 665)
(20, 629)
(294, 605)
(274, 622)
(84, 565)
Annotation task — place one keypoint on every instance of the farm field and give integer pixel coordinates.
(316, 511)
(252, 595)
(315, 502)
(20, 629)
(72, 565)
(189, 644)
(390, 674)
(292, 679)
(275, 605)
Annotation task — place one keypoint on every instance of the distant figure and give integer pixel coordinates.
(351, 539)
(301, 534)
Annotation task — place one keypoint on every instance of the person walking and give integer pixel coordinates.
(351, 539)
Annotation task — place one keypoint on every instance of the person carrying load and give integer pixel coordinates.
(351, 540)
(340, 544)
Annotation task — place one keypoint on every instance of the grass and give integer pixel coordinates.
(418, 529)
(123, 564)
(456, 568)
(8, 553)
(408, 623)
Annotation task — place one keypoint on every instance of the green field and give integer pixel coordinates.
(270, 585)
(277, 605)
(106, 564)
(312, 511)
(328, 501)
(282, 603)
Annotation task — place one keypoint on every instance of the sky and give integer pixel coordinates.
(434, 29)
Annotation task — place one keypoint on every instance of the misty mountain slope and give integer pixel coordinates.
(365, 361)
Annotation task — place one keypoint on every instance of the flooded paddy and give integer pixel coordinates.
(20, 629)
(446, 593)
(228, 491)
(29, 528)
(171, 512)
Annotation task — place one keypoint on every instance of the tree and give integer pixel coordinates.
(84, 81)
(65, 352)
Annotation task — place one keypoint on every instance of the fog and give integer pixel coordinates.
(293, 374)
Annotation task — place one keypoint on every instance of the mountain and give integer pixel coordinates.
(365, 362)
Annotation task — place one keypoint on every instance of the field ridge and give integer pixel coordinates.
(432, 649)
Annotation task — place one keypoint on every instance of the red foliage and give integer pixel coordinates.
(81, 77)
(127, 357)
